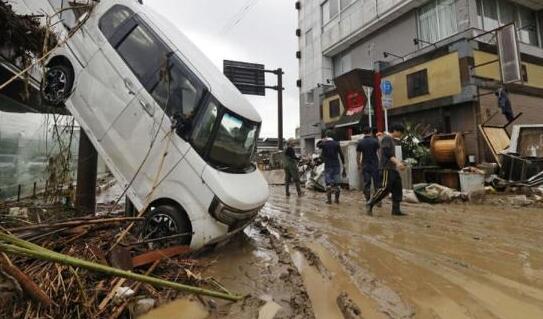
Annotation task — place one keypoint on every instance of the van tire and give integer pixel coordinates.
(56, 85)
(166, 220)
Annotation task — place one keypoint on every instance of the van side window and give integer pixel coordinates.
(177, 91)
(203, 130)
(143, 53)
(113, 19)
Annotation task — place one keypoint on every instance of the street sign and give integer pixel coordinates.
(387, 101)
(247, 77)
(386, 87)
(508, 49)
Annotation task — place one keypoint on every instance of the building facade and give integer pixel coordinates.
(429, 51)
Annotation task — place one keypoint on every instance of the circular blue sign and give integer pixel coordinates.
(386, 87)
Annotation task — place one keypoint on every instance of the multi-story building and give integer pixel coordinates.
(428, 50)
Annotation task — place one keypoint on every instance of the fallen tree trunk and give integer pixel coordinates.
(24, 281)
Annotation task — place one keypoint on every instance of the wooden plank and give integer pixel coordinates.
(152, 256)
(497, 140)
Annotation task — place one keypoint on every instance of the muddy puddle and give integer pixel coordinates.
(305, 259)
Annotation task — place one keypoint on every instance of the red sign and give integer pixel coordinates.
(356, 101)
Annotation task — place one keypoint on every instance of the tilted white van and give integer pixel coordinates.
(170, 126)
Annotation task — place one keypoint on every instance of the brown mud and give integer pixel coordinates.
(306, 259)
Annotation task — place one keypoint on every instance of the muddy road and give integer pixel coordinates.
(306, 259)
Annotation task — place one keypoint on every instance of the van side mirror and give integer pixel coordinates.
(181, 123)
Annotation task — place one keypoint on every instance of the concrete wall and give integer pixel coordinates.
(492, 71)
(396, 37)
(443, 80)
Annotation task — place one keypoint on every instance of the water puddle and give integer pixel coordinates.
(178, 309)
(324, 286)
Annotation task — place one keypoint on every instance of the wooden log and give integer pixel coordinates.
(152, 256)
(24, 281)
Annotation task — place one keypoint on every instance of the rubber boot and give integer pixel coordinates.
(369, 208)
(328, 195)
(367, 196)
(396, 209)
(299, 190)
(287, 189)
(337, 192)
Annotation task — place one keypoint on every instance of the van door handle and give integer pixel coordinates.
(147, 107)
(129, 85)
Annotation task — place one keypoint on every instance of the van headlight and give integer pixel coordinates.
(228, 215)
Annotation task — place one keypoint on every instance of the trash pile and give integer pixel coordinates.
(68, 269)
(23, 33)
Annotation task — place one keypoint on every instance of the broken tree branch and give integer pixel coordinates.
(14, 245)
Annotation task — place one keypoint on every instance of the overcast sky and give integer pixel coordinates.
(259, 31)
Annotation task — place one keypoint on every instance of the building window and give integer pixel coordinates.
(334, 109)
(524, 71)
(437, 20)
(309, 97)
(309, 38)
(329, 10)
(417, 84)
(493, 14)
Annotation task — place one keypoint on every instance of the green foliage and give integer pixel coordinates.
(414, 152)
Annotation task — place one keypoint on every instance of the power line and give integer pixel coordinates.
(239, 16)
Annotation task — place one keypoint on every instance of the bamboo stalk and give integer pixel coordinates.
(78, 223)
(20, 247)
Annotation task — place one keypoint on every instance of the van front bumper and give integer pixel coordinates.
(231, 216)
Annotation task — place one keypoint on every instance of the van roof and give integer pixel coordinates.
(219, 85)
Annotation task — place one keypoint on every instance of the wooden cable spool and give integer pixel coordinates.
(449, 149)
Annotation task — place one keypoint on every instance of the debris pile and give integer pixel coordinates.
(22, 33)
(66, 269)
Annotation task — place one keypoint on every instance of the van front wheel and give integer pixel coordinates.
(57, 85)
(166, 221)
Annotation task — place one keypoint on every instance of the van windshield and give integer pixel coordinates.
(225, 139)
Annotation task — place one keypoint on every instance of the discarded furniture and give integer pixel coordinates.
(516, 168)
(497, 138)
(445, 177)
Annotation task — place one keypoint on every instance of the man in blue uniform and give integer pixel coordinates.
(368, 161)
(331, 154)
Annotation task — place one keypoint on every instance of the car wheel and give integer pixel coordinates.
(57, 85)
(163, 221)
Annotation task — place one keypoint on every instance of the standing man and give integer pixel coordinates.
(368, 161)
(290, 164)
(391, 181)
(331, 154)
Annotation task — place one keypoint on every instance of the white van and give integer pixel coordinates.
(144, 93)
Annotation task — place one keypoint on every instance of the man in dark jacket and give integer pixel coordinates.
(290, 164)
(368, 161)
(391, 180)
(331, 154)
(505, 104)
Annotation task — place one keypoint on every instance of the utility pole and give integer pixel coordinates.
(249, 79)
(280, 89)
(85, 199)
